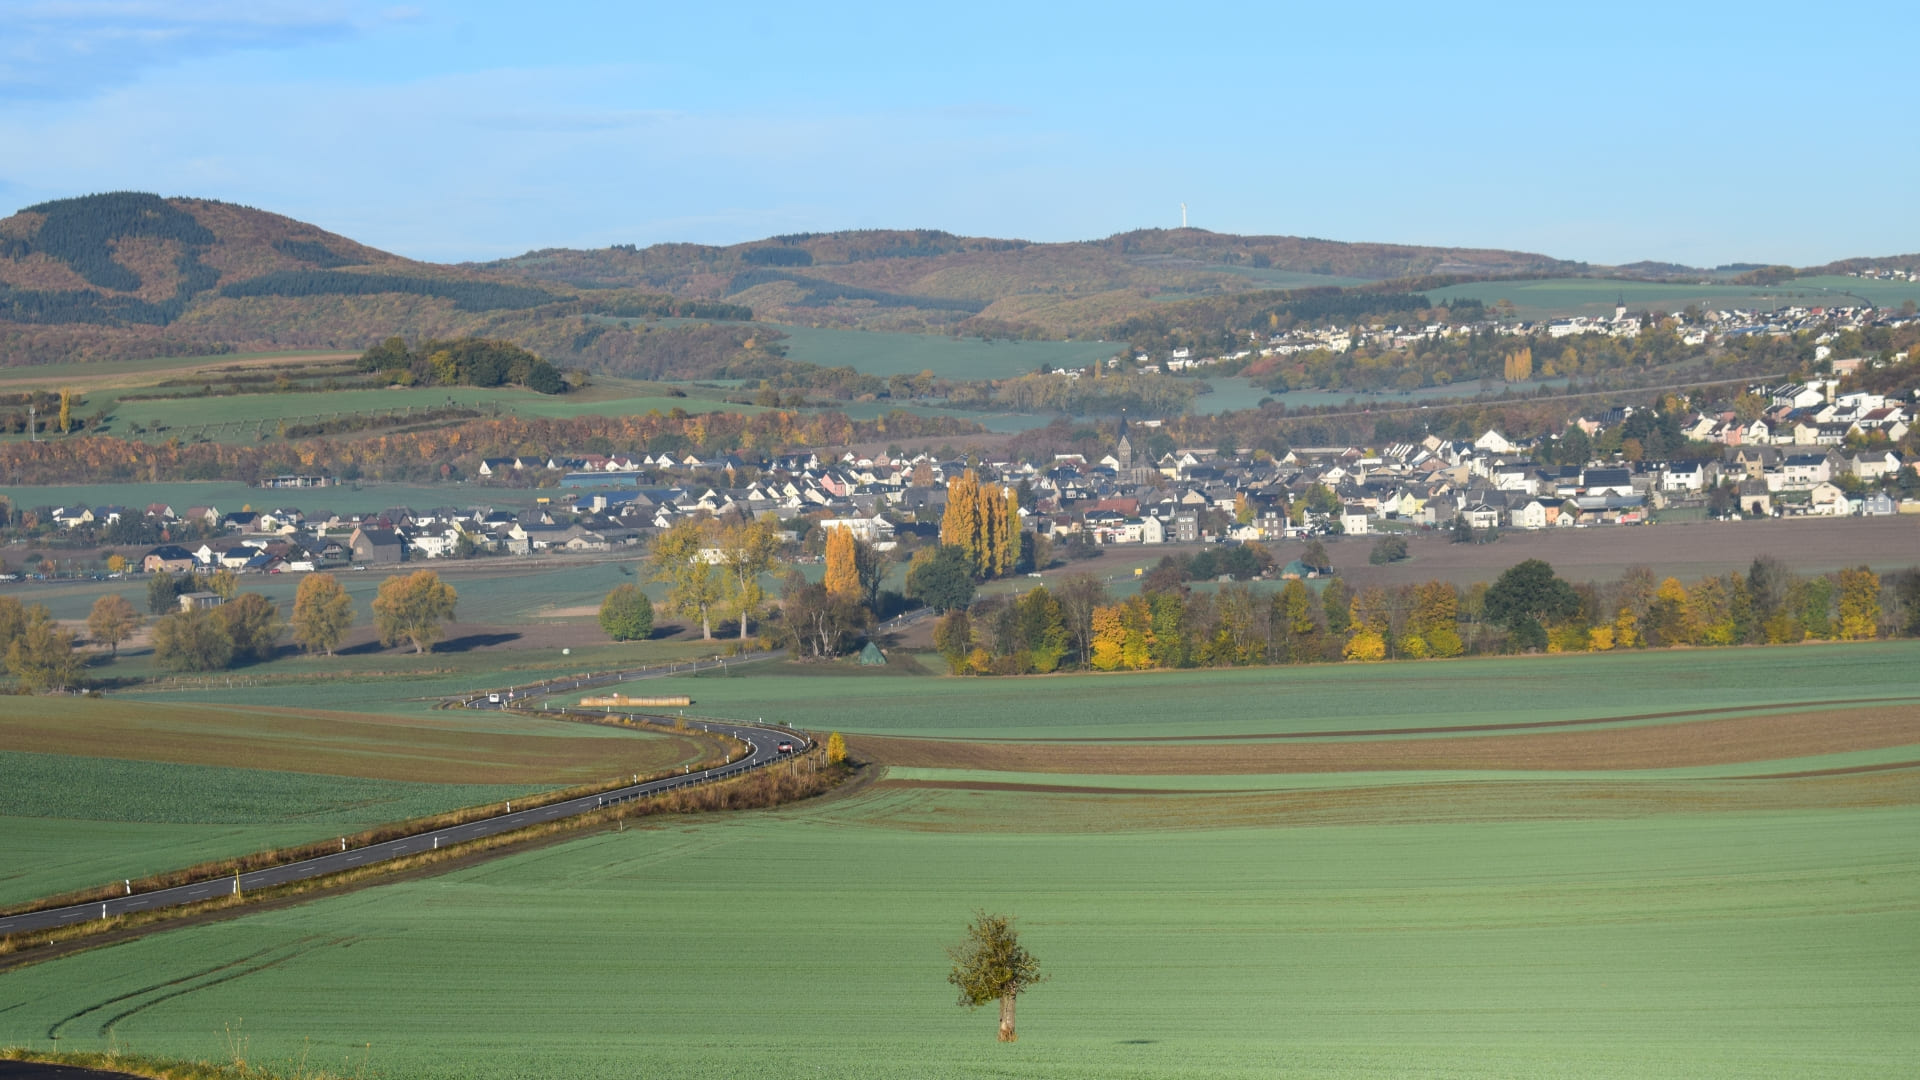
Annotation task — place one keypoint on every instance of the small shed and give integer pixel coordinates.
(872, 656)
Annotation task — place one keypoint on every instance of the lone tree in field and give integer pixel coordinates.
(412, 608)
(113, 620)
(626, 614)
(992, 966)
(322, 612)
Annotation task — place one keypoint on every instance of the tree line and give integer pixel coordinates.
(1078, 623)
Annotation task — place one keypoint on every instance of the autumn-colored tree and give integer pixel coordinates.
(836, 748)
(1365, 645)
(1519, 364)
(253, 624)
(322, 613)
(1859, 604)
(112, 620)
(66, 410)
(843, 570)
(1295, 630)
(223, 582)
(960, 524)
(412, 607)
(683, 558)
(992, 966)
(953, 637)
(982, 520)
(1711, 604)
(41, 655)
(192, 640)
(749, 550)
(1670, 616)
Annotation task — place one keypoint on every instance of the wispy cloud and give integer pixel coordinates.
(59, 50)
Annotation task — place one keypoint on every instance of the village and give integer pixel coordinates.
(1810, 451)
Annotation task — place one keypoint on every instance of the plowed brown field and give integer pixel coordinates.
(1704, 742)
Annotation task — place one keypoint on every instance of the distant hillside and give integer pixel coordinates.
(929, 280)
(129, 275)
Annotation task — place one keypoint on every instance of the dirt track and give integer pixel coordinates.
(1704, 742)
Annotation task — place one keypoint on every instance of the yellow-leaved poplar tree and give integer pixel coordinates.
(843, 568)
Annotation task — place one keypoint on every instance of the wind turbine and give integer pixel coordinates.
(1183, 215)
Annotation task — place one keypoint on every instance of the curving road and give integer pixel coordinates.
(763, 741)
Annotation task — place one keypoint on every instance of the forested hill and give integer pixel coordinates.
(127, 275)
(936, 281)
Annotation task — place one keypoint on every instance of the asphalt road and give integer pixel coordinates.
(763, 742)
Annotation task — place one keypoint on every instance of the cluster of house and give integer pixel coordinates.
(1791, 461)
(285, 539)
(1491, 482)
(1808, 414)
(1712, 327)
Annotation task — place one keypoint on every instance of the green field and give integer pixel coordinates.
(1313, 697)
(808, 943)
(1754, 914)
(71, 822)
(1595, 296)
(879, 353)
(249, 417)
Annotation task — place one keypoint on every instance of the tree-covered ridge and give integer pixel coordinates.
(817, 293)
(318, 254)
(80, 232)
(466, 295)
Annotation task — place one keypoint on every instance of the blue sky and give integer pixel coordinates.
(1697, 133)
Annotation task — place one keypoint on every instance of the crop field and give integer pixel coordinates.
(114, 374)
(1248, 702)
(881, 353)
(1664, 864)
(251, 417)
(1596, 296)
(1656, 942)
(104, 789)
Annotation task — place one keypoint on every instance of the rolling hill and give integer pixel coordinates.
(126, 275)
(935, 281)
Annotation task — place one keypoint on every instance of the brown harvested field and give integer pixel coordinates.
(420, 748)
(1703, 742)
(1685, 551)
(973, 808)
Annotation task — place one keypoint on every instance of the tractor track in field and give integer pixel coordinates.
(1358, 733)
(1769, 736)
